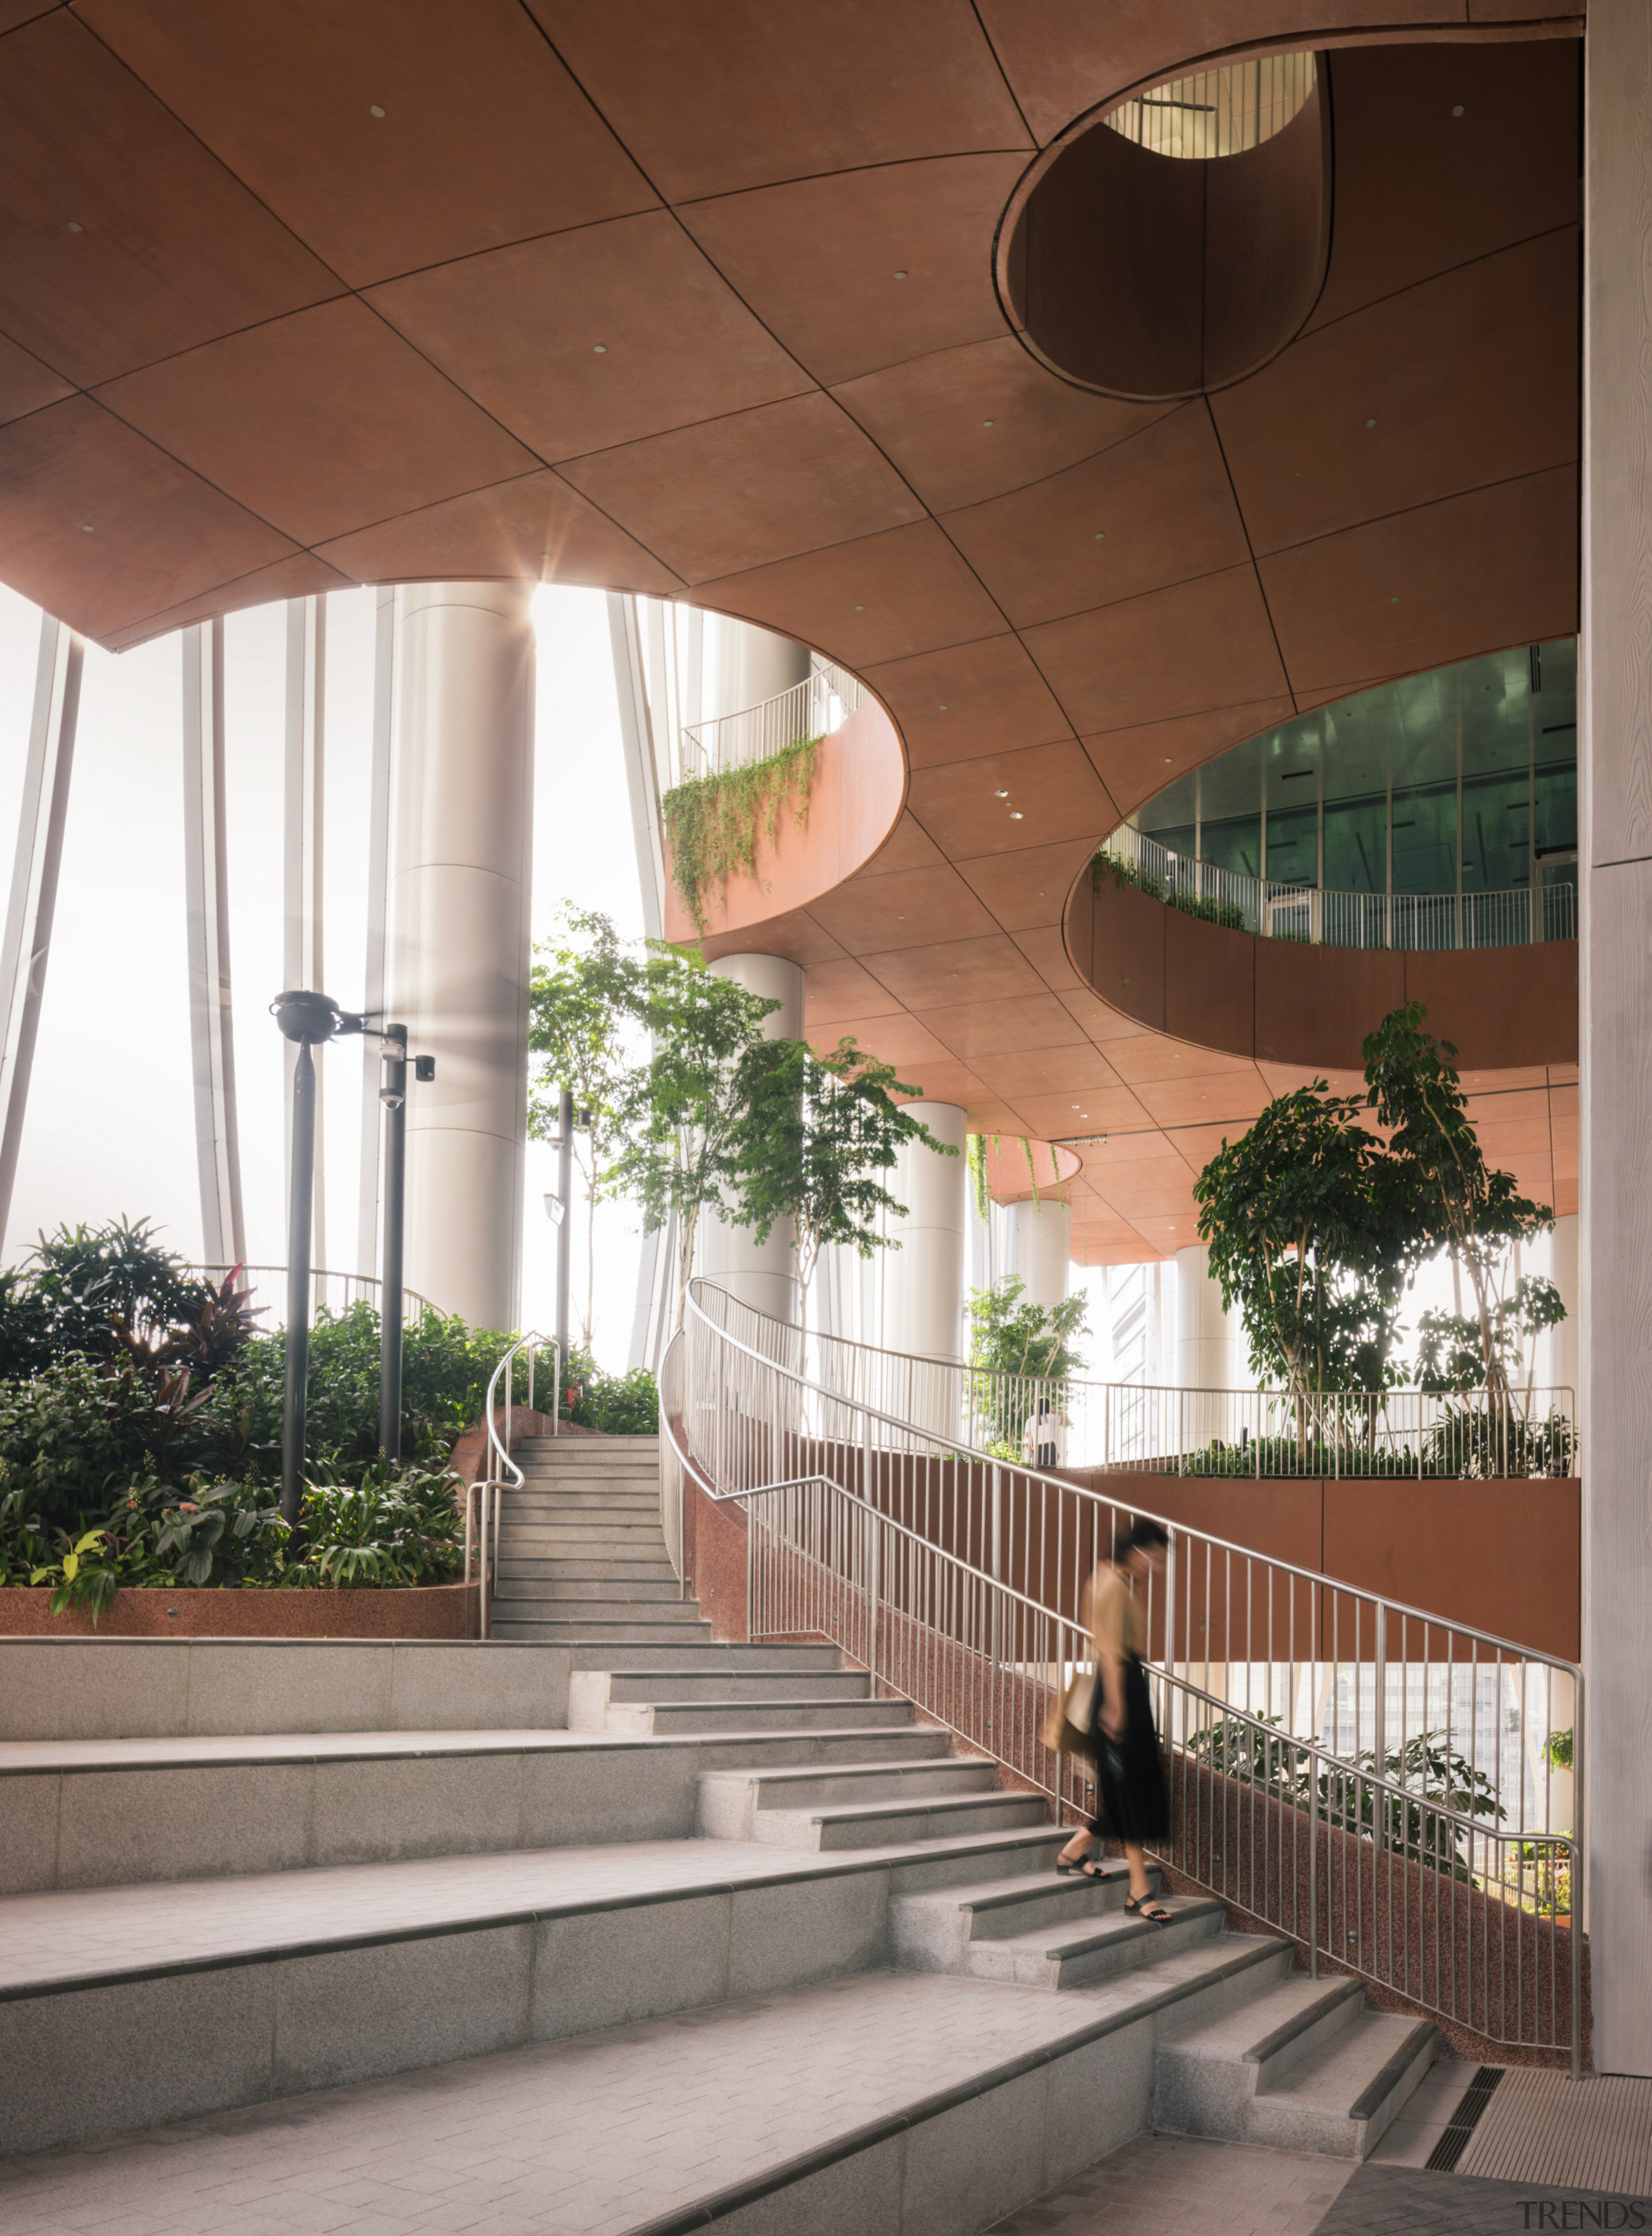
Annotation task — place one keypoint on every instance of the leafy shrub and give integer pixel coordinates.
(445, 1368)
(75, 1286)
(392, 1528)
(75, 1436)
(617, 1404)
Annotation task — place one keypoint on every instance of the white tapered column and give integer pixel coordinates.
(212, 1036)
(461, 869)
(1207, 1353)
(761, 1274)
(1038, 1248)
(1614, 874)
(923, 1311)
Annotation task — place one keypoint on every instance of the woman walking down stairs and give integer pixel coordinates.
(595, 1925)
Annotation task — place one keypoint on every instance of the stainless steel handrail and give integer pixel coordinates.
(503, 1473)
(975, 1649)
(357, 1288)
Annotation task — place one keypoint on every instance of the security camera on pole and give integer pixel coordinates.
(312, 1019)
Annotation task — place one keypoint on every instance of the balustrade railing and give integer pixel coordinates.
(1122, 1425)
(1283, 909)
(1376, 1782)
(822, 702)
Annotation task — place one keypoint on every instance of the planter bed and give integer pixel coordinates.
(419, 1611)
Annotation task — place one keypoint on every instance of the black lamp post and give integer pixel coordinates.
(311, 1019)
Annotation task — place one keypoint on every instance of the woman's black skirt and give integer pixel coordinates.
(1131, 1803)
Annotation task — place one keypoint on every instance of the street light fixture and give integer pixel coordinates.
(312, 1019)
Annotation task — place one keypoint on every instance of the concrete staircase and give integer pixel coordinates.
(236, 1872)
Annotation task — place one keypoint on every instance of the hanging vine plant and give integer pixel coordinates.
(713, 823)
(975, 1147)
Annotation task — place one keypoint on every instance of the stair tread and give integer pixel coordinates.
(1334, 2078)
(1259, 2026)
(1094, 1930)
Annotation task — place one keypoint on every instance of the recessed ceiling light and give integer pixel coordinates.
(986, 423)
(1370, 423)
(900, 275)
(1101, 536)
(375, 111)
(1000, 795)
(1167, 761)
(943, 706)
(1394, 601)
(86, 528)
(599, 349)
(1457, 111)
(74, 227)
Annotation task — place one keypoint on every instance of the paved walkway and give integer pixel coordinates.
(1182, 2185)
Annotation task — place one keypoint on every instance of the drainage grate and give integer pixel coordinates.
(1464, 2121)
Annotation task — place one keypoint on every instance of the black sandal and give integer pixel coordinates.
(1149, 1909)
(1074, 1869)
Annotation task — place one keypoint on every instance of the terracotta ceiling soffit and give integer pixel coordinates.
(303, 576)
(481, 135)
(915, 909)
(1047, 1071)
(981, 1028)
(1422, 590)
(322, 422)
(1091, 1109)
(532, 525)
(892, 1037)
(908, 846)
(842, 989)
(968, 700)
(26, 385)
(730, 495)
(1001, 802)
(1445, 153)
(796, 935)
(983, 969)
(967, 425)
(899, 265)
(750, 94)
(128, 241)
(1454, 384)
(103, 529)
(875, 599)
(1154, 510)
(1137, 764)
(1044, 948)
(1175, 651)
(1103, 1024)
(587, 340)
(1025, 891)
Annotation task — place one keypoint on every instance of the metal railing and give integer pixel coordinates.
(484, 1499)
(822, 702)
(1278, 908)
(1370, 1779)
(1126, 1426)
(329, 1292)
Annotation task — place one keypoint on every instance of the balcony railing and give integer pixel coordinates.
(822, 702)
(329, 1292)
(1414, 922)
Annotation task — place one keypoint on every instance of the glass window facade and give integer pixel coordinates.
(1460, 781)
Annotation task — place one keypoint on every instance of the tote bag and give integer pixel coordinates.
(1066, 1728)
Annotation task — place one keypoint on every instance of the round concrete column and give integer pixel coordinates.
(461, 873)
(923, 1311)
(1208, 1354)
(1039, 1249)
(761, 1274)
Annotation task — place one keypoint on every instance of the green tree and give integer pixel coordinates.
(819, 1132)
(1306, 1242)
(681, 1114)
(584, 999)
(1458, 1202)
(1012, 1339)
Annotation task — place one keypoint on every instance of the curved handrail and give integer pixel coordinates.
(1315, 1577)
(503, 1473)
(981, 1652)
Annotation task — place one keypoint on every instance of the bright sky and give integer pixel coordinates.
(110, 1127)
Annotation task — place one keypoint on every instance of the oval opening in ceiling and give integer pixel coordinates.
(1180, 241)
